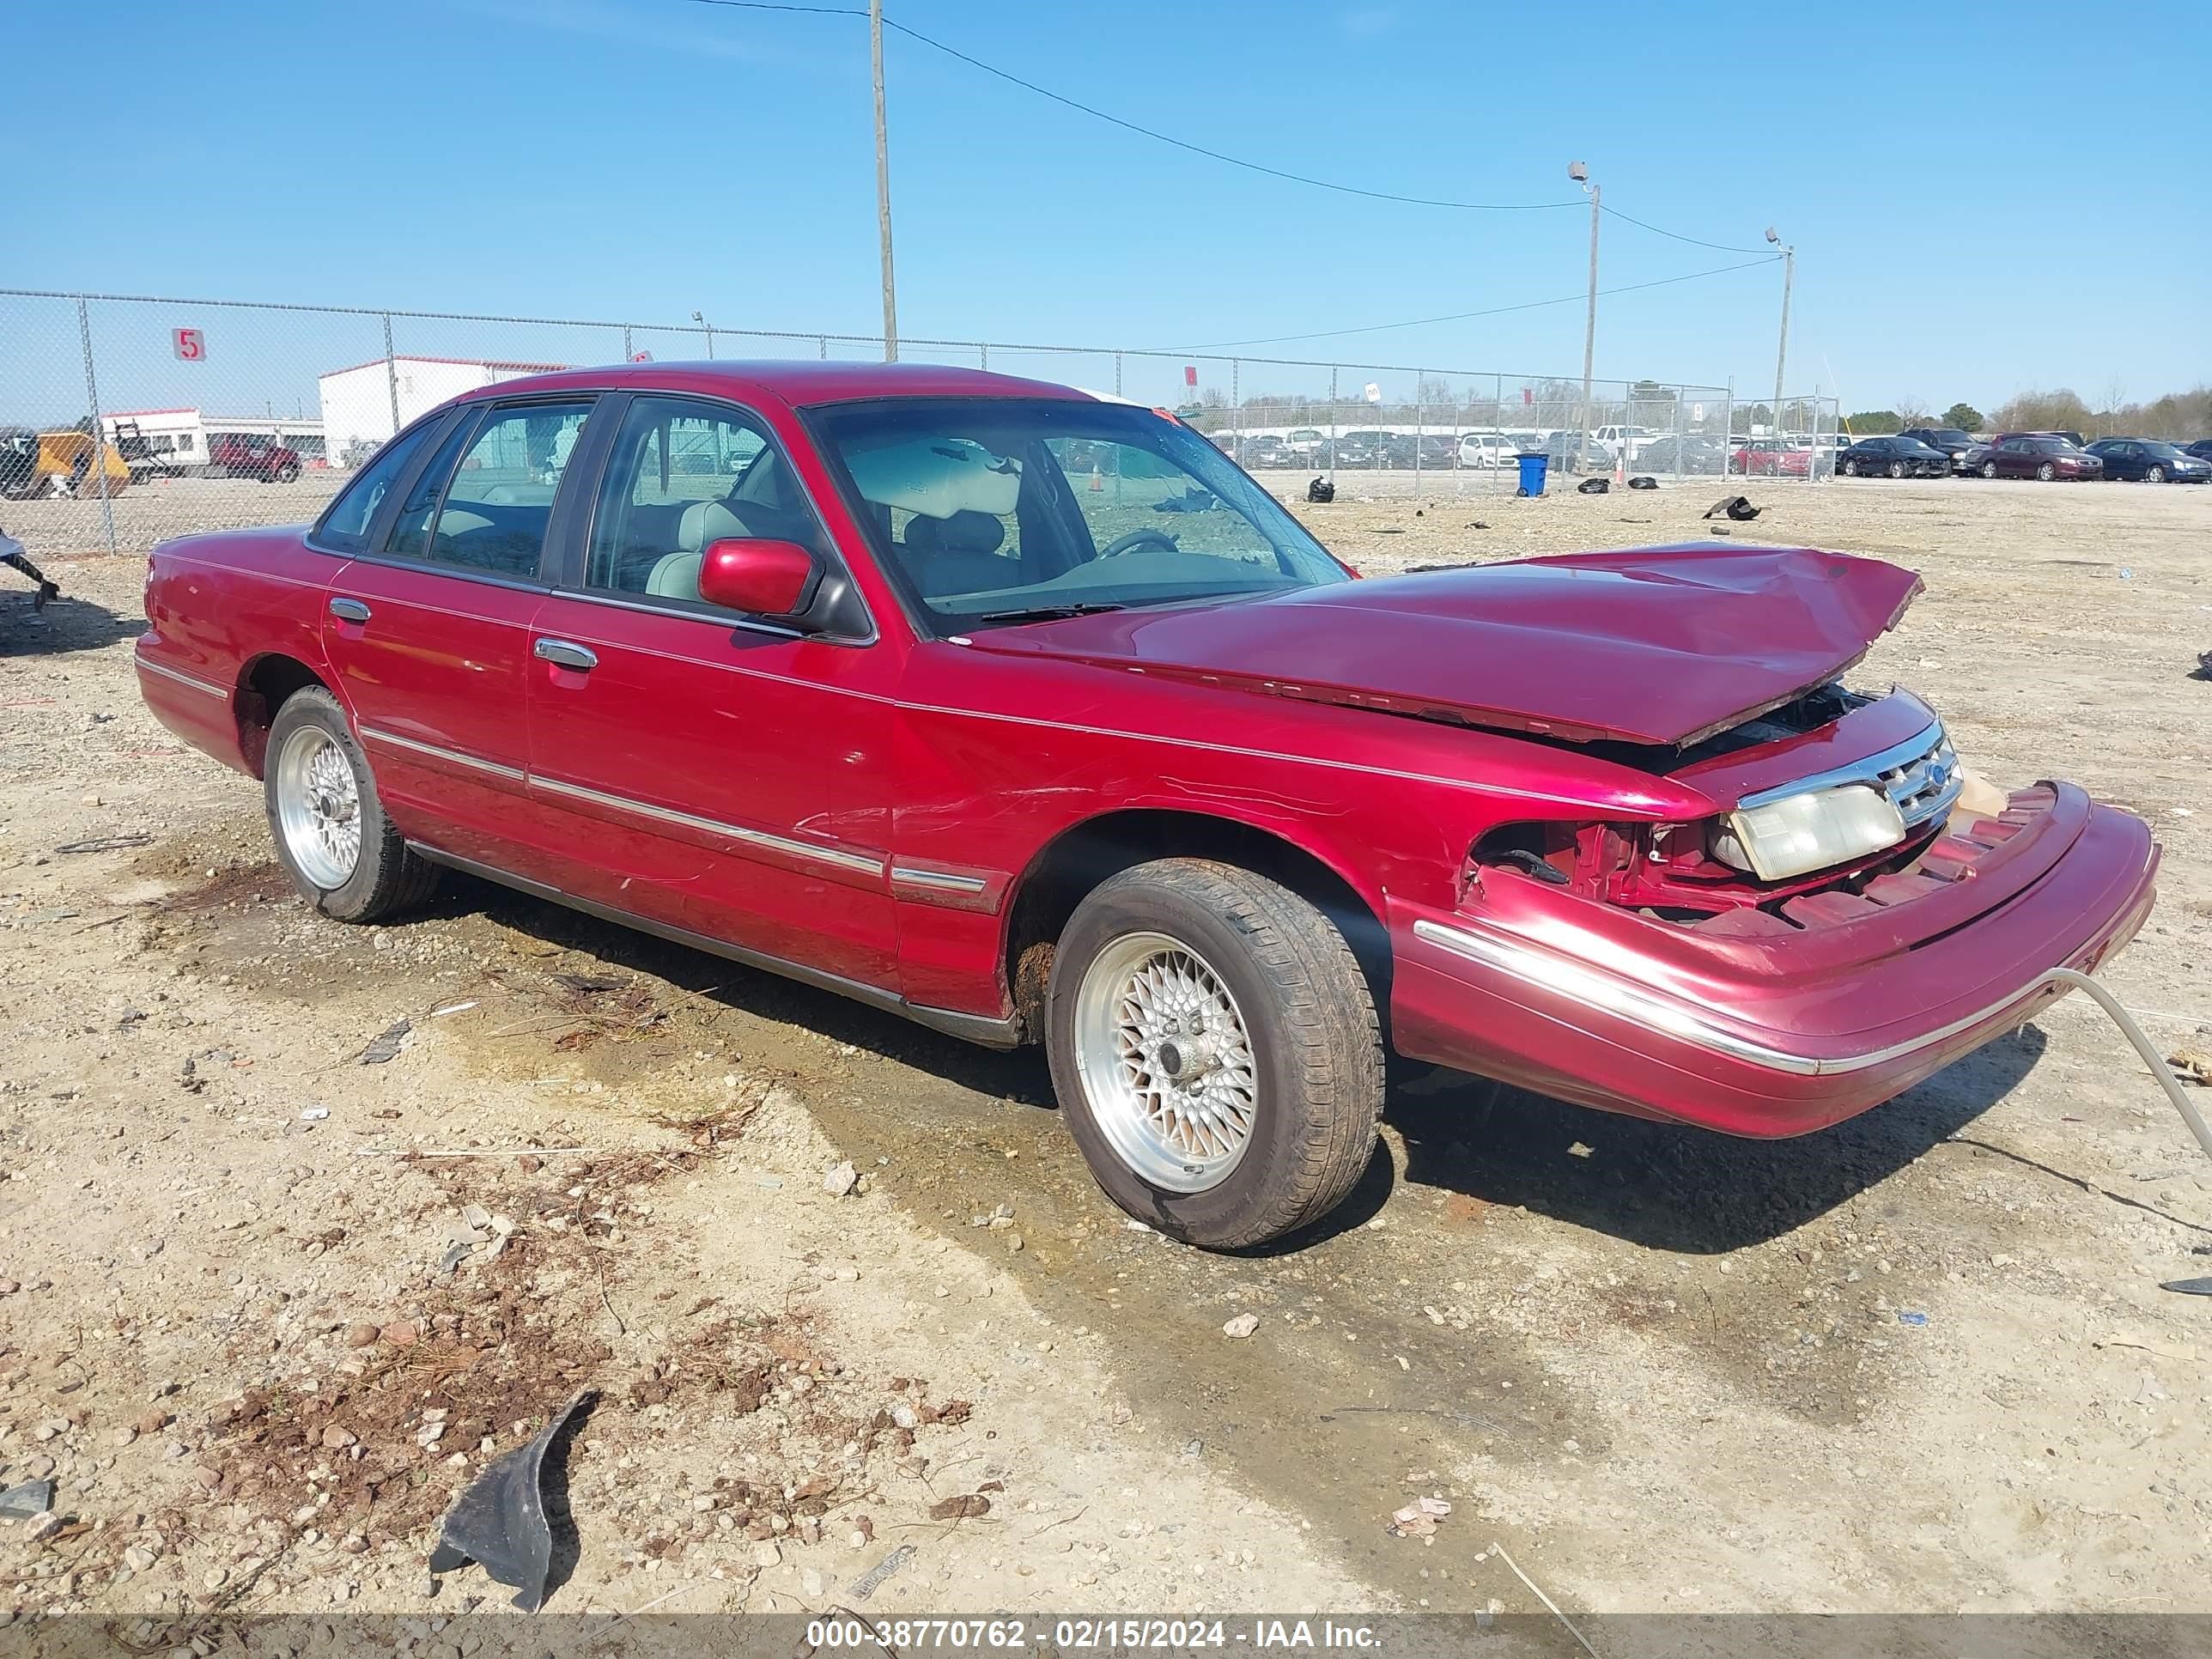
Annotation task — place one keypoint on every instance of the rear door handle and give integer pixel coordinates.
(351, 611)
(566, 654)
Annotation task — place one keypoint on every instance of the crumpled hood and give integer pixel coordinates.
(1661, 644)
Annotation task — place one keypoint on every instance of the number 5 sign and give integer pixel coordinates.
(191, 345)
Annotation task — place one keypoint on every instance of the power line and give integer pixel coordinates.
(1717, 247)
(1144, 132)
(1494, 310)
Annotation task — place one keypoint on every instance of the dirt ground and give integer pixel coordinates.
(265, 1307)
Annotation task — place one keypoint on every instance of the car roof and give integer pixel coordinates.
(799, 383)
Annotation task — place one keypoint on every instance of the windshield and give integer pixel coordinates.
(986, 509)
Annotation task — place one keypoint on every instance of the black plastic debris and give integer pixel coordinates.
(1738, 507)
(1321, 490)
(31, 1498)
(386, 1045)
(500, 1522)
(1643, 481)
(2203, 669)
(1594, 486)
(2188, 1286)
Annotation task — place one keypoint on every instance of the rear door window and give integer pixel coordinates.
(496, 509)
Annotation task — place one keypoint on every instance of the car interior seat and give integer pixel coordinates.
(957, 555)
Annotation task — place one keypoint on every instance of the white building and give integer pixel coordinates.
(360, 402)
(178, 438)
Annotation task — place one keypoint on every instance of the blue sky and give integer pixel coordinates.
(1983, 199)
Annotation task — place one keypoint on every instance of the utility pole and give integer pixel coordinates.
(1782, 351)
(1580, 174)
(884, 183)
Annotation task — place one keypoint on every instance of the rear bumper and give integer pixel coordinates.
(1756, 1059)
(190, 705)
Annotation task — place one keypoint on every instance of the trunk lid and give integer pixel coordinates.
(1663, 644)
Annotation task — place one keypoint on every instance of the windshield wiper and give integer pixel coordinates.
(1051, 612)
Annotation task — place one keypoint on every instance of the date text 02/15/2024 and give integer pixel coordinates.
(1169, 1635)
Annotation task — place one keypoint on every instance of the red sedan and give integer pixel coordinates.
(1026, 714)
(1771, 458)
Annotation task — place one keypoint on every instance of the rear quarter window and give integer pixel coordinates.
(345, 527)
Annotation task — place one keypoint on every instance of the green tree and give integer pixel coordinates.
(1869, 423)
(1965, 417)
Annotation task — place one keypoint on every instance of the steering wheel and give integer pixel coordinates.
(1137, 538)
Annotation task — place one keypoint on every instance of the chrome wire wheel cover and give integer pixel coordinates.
(319, 807)
(1166, 1062)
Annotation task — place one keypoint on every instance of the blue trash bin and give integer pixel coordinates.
(1535, 463)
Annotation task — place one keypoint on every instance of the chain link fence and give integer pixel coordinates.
(125, 419)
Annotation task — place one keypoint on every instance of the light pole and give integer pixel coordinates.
(709, 327)
(1580, 174)
(882, 183)
(1782, 351)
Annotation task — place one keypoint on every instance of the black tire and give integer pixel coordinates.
(2046, 472)
(1896, 469)
(285, 474)
(388, 879)
(2155, 474)
(1989, 469)
(1316, 1041)
(1851, 469)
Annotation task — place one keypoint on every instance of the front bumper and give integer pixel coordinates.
(1768, 1042)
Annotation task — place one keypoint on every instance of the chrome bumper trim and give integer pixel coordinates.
(183, 679)
(1593, 989)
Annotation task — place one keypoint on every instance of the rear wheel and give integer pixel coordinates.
(1216, 1049)
(342, 852)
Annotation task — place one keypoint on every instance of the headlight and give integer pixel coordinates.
(1800, 833)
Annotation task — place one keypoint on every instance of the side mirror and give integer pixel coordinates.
(758, 575)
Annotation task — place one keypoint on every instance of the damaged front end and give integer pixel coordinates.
(1859, 911)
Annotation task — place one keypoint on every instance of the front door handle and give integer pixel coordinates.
(352, 611)
(566, 654)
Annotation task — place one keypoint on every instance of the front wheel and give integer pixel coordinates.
(285, 474)
(2046, 472)
(342, 854)
(1851, 469)
(1896, 469)
(1216, 1049)
(2155, 474)
(1989, 469)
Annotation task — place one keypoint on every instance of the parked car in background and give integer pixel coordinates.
(1897, 458)
(2202, 449)
(1688, 454)
(1626, 441)
(1486, 449)
(1364, 447)
(1309, 446)
(1518, 820)
(2038, 455)
(1267, 451)
(1431, 452)
(1570, 453)
(251, 455)
(1953, 440)
(2147, 460)
(1771, 458)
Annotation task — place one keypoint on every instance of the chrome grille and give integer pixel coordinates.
(1923, 786)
